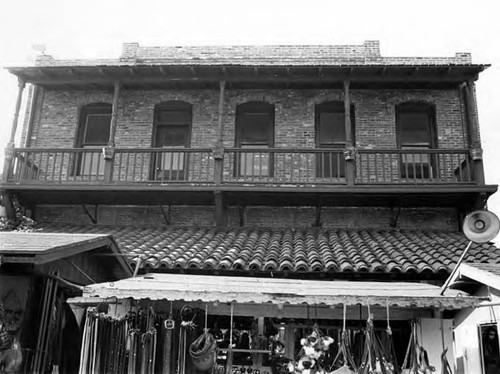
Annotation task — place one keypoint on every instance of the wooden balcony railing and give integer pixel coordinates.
(284, 166)
(270, 166)
(422, 166)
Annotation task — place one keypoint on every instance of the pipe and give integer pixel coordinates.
(447, 283)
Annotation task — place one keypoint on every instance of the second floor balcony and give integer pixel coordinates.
(247, 176)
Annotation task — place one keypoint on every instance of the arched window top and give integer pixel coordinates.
(173, 113)
(255, 107)
(416, 106)
(174, 105)
(331, 106)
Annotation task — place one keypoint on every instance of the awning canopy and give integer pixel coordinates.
(224, 289)
(40, 249)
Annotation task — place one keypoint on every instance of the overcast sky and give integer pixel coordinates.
(97, 28)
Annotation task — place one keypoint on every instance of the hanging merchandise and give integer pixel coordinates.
(344, 355)
(168, 328)
(11, 356)
(374, 360)
(203, 350)
(119, 345)
(187, 323)
(312, 353)
(416, 360)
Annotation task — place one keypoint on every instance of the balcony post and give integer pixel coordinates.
(109, 151)
(476, 151)
(350, 149)
(219, 146)
(20, 84)
(9, 153)
(218, 154)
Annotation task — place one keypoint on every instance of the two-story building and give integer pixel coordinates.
(268, 188)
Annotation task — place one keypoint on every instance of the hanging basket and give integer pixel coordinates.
(203, 351)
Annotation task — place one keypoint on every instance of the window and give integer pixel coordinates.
(415, 131)
(93, 134)
(172, 130)
(254, 129)
(330, 133)
(490, 352)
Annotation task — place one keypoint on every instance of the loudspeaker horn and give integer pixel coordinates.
(481, 226)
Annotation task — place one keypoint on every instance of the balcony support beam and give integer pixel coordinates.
(473, 131)
(219, 146)
(109, 151)
(349, 153)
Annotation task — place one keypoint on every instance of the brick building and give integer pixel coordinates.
(277, 165)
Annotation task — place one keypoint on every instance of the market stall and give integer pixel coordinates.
(174, 323)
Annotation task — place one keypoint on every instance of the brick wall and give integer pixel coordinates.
(294, 115)
(300, 217)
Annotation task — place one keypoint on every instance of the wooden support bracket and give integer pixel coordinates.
(241, 215)
(317, 219)
(166, 215)
(87, 212)
(395, 216)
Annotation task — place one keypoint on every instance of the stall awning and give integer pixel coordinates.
(39, 248)
(224, 289)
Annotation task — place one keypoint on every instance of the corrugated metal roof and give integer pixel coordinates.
(224, 289)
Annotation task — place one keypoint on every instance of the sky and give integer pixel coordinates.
(97, 29)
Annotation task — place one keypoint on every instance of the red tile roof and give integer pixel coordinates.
(311, 250)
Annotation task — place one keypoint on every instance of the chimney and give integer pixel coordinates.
(44, 60)
(463, 58)
(372, 48)
(129, 52)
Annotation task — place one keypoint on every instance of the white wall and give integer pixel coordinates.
(466, 333)
(434, 341)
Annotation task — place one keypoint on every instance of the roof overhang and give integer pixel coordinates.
(251, 290)
(485, 274)
(42, 248)
(248, 75)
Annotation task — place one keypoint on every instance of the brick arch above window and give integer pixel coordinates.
(241, 99)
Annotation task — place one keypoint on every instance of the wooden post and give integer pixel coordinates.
(9, 153)
(350, 150)
(222, 90)
(220, 211)
(219, 146)
(109, 151)
(476, 151)
(21, 84)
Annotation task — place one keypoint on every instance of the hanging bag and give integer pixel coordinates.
(203, 351)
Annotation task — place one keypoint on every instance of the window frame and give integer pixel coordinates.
(83, 160)
(173, 174)
(254, 107)
(428, 169)
(332, 107)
